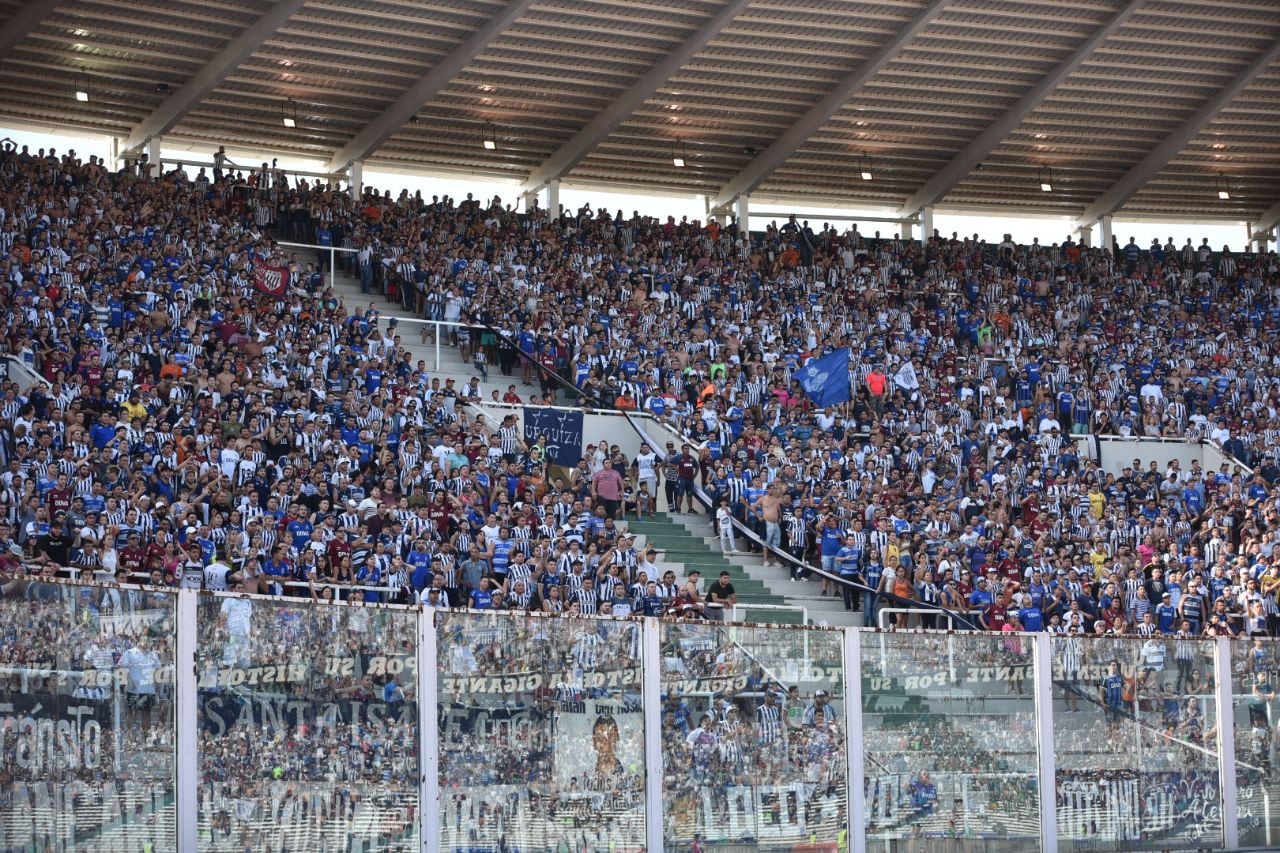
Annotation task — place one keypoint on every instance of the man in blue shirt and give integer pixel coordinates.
(980, 598)
(830, 541)
(482, 596)
(1111, 693)
(1166, 615)
(848, 562)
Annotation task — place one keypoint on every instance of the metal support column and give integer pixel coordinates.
(926, 223)
(855, 771)
(651, 690)
(553, 198)
(185, 702)
(428, 732)
(1263, 237)
(1047, 763)
(1085, 234)
(742, 205)
(355, 177)
(1104, 239)
(153, 156)
(1226, 743)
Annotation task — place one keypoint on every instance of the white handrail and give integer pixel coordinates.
(923, 611)
(19, 371)
(804, 611)
(333, 250)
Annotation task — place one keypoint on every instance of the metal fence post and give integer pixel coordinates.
(187, 747)
(1226, 743)
(651, 688)
(1047, 763)
(438, 331)
(428, 733)
(857, 792)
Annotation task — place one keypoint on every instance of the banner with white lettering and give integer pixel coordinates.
(563, 429)
(598, 740)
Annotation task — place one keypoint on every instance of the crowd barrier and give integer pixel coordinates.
(135, 718)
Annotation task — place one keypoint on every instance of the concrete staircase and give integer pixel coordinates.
(410, 329)
(686, 542)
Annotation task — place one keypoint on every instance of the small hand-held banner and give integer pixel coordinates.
(273, 281)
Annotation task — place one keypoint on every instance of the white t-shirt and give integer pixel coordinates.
(239, 612)
(215, 576)
(646, 465)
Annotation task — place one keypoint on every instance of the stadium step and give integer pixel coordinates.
(776, 580)
(452, 366)
(682, 550)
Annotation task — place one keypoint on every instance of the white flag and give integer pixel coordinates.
(906, 377)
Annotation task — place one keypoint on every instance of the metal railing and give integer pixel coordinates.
(950, 616)
(787, 608)
(797, 565)
(902, 674)
(333, 256)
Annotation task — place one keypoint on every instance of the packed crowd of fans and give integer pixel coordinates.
(199, 432)
(744, 754)
(541, 734)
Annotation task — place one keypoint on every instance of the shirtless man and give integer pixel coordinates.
(769, 506)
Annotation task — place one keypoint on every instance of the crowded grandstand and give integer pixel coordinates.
(196, 426)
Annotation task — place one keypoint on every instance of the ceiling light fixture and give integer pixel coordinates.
(865, 168)
(289, 114)
(82, 87)
(677, 155)
(1046, 179)
(1224, 190)
(490, 137)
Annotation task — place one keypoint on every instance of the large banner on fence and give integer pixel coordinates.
(563, 429)
(598, 740)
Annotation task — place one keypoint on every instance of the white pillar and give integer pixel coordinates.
(186, 742)
(530, 201)
(926, 223)
(1086, 235)
(153, 156)
(854, 771)
(1047, 763)
(553, 198)
(355, 177)
(1226, 743)
(1104, 238)
(113, 155)
(651, 690)
(906, 230)
(743, 211)
(428, 732)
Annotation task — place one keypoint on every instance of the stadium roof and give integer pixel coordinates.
(1139, 107)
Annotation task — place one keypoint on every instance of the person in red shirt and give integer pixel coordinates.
(440, 511)
(995, 615)
(58, 499)
(877, 383)
(132, 558)
(686, 471)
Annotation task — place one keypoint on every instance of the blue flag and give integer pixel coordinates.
(826, 380)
